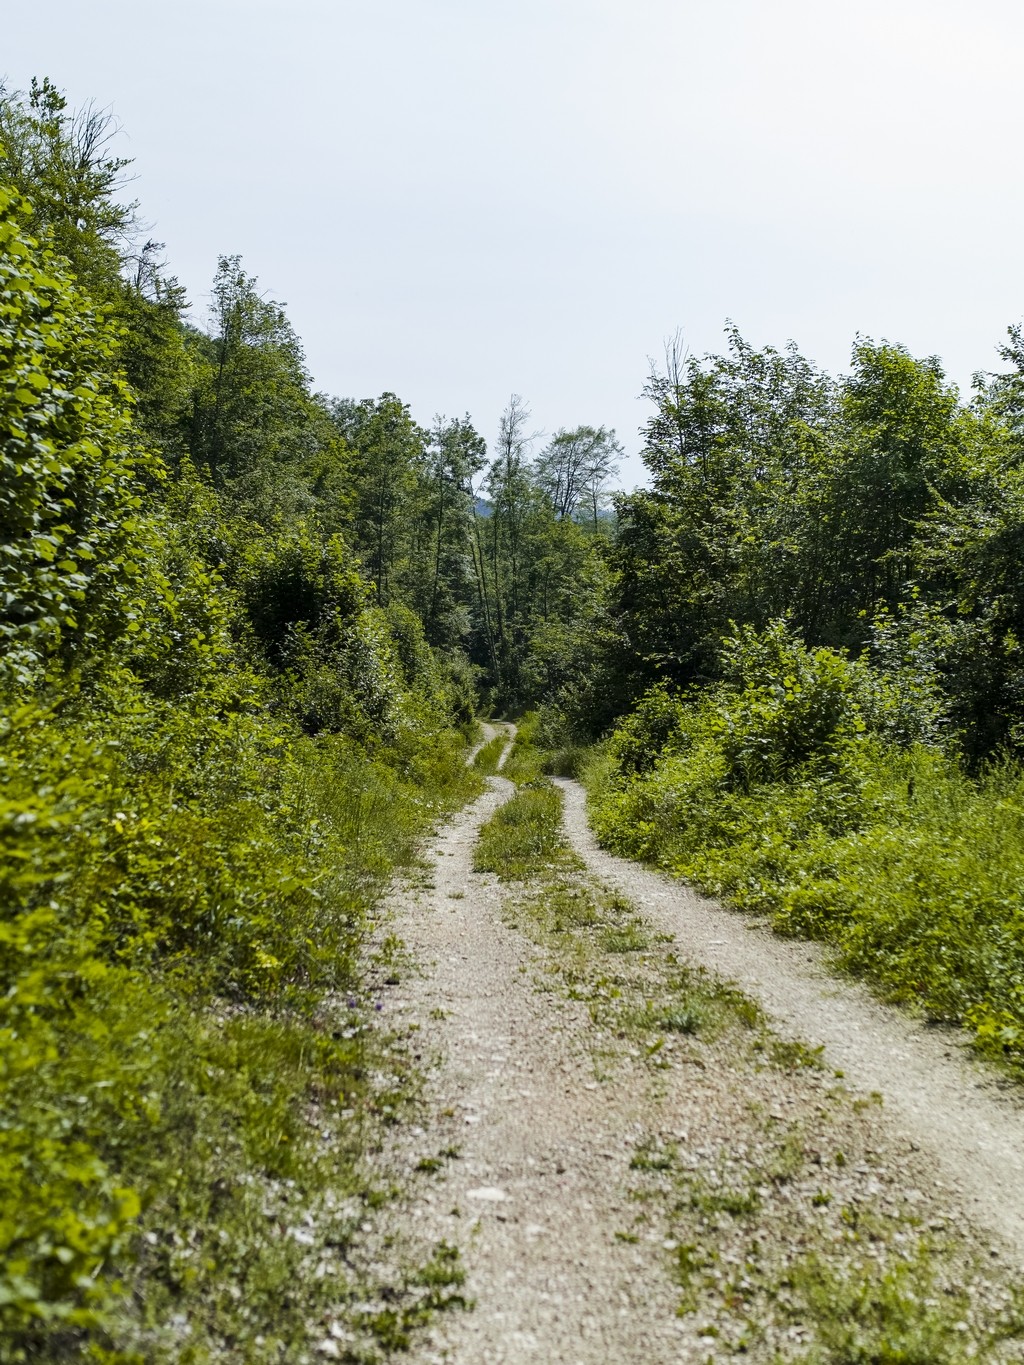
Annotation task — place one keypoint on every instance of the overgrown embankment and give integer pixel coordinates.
(214, 747)
(188, 1045)
(809, 787)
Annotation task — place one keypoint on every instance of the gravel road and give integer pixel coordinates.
(934, 1094)
(532, 1141)
(539, 1184)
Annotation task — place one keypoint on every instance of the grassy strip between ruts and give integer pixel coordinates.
(793, 1233)
(488, 756)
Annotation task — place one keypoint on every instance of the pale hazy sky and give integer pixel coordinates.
(460, 199)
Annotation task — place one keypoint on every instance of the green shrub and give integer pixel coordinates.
(74, 545)
(778, 792)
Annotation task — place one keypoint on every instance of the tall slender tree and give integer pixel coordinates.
(454, 456)
(390, 468)
(575, 469)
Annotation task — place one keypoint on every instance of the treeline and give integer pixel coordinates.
(810, 657)
(490, 555)
(878, 512)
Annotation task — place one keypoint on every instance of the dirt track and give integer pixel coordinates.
(935, 1096)
(534, 1125)
(541, 1151)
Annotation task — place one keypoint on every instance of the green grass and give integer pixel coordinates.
(763, 1255)
(524, 835)
(526, 762)
(869, 1312)
(489, 755)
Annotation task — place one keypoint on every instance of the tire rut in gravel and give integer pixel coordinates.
(576, 1171)
(956, 1110)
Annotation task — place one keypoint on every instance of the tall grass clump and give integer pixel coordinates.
(489, 756)
(812, 789)
(526, 760)
(523, 834)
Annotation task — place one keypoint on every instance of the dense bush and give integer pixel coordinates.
(72, 546)
(785, 790)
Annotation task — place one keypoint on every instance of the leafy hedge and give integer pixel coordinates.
(71, 547)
